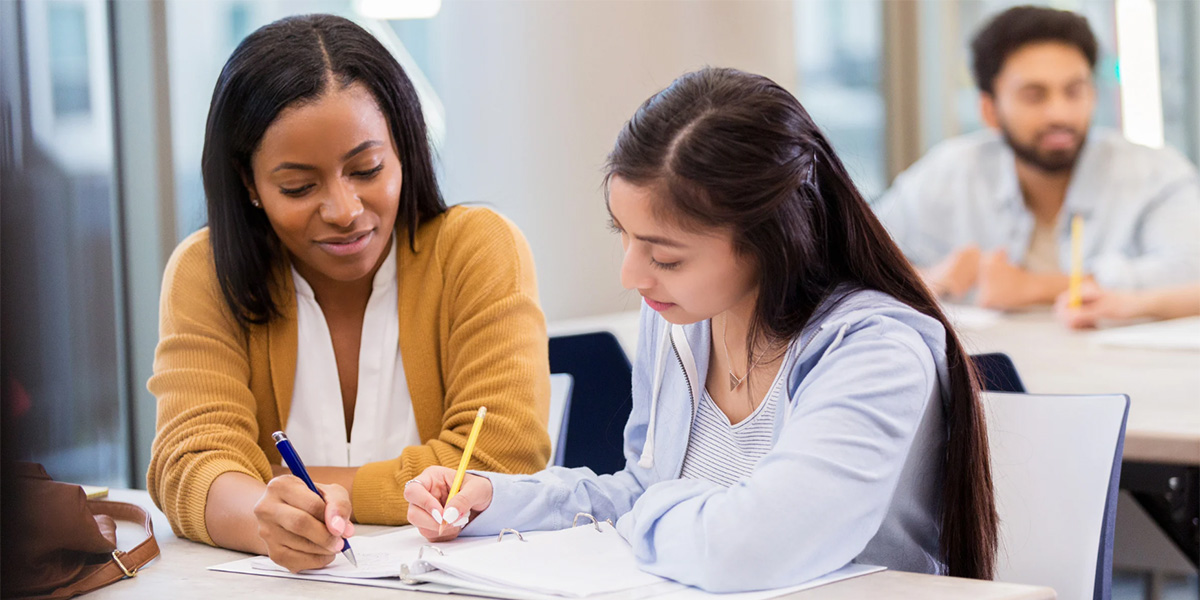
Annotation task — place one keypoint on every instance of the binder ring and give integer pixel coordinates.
(406, 575)
(513, 531)
(595, 523)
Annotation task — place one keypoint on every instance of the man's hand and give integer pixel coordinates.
(1004, 285)
(956, 274)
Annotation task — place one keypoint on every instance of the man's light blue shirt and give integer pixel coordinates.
(1140, 206)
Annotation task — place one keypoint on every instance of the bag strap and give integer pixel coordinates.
(123, 564)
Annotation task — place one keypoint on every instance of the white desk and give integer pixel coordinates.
(181, 571)
(1163, 386)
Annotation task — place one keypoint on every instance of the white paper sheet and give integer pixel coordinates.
(575, 562)
(371, 565)
(551, 565)
(964, 316)
(379, 558)
(1176, 334)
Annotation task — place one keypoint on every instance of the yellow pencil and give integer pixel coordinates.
(1075, 293)
(466, 457)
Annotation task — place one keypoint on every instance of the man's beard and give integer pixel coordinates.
(1054, 161)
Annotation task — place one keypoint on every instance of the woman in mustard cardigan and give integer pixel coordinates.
(335, 296)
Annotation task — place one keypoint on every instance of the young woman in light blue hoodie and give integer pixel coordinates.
(799, 400)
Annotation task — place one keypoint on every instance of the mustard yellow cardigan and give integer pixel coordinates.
(471, 335)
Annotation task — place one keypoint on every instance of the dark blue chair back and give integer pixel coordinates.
(998, 373)
(600, 400)
(1108, 529)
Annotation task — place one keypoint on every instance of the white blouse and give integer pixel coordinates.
(384, 423)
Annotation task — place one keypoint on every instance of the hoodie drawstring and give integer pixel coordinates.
(647, 459)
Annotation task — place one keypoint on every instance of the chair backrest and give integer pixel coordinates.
(998, 372)
(1056, 463)
(601, 399)
(560, 405)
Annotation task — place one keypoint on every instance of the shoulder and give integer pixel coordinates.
(191, 261)
(871, 348)
(479, 240)
(966, 154)
(873, 316)
(1117, 155)
(951, 171)
(477, 225)
(190, 286)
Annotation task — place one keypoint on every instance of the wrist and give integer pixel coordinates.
(485, 486)
(1141, 305)
(1047, 287)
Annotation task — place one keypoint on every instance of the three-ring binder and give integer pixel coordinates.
(574, 523)
(585, 559)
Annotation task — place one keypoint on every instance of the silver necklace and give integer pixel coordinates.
(734, 380)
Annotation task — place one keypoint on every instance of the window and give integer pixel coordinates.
(60, 357)
(838, 60)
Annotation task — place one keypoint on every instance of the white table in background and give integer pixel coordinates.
(1163, 385)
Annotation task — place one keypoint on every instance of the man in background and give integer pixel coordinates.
(991, 211)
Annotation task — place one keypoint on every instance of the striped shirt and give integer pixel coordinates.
(723, 452)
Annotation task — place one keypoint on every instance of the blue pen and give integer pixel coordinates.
(293, 462)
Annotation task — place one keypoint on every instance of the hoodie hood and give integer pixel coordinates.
(840, 312)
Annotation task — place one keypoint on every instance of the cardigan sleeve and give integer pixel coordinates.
(494, 353)
(206, 422)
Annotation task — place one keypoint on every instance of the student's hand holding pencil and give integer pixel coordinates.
(441, 502)
(1095, 305)
(437, 518)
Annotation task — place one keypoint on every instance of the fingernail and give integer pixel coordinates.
(338, 524)
(462, 522)
(437, 515)
(451, 515)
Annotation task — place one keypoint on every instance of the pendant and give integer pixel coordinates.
(734, 382)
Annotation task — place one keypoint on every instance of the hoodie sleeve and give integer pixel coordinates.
(551, 498)
(818, 497)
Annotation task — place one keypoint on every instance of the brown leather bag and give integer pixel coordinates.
(58, 544)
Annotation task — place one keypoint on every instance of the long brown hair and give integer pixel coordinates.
(734, 150)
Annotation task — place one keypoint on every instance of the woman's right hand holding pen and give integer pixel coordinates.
(301, 530)
(428, 510)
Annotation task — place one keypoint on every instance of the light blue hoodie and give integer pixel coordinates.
(853, 474)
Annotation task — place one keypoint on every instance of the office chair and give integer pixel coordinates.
(600, 401)
(1056, 466)
(998, 372)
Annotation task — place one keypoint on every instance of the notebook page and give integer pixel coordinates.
(575, 562)
(378, 557)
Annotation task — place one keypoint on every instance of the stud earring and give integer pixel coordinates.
(256, 202)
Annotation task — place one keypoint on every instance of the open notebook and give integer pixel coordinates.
(588, 561)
